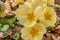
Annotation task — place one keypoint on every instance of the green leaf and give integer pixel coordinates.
(11, 20)
(5, 33)
(57, 22)
(18, 23)
(50, 28)
(5, 27)
(11, 27)
(59, 5)
(17, 35)
(2, 8)
(0, 25)
(2, 13)
(8, 20)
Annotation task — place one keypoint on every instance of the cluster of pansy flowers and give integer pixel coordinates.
(35, 15)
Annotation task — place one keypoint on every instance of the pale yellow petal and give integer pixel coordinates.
(50, 2)
(33, 33)
(36, 3)
(16, 2)
(26, 16)
(47, 19)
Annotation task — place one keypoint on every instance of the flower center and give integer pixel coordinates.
(47, 16)
(34, 32)
(31, 17)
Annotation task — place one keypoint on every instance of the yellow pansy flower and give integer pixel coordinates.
(50, 2)
(36, 3)
(30, 1)
(33, 33)
(47, 17)
(17, 2)
(39, 3)
(26, 16)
